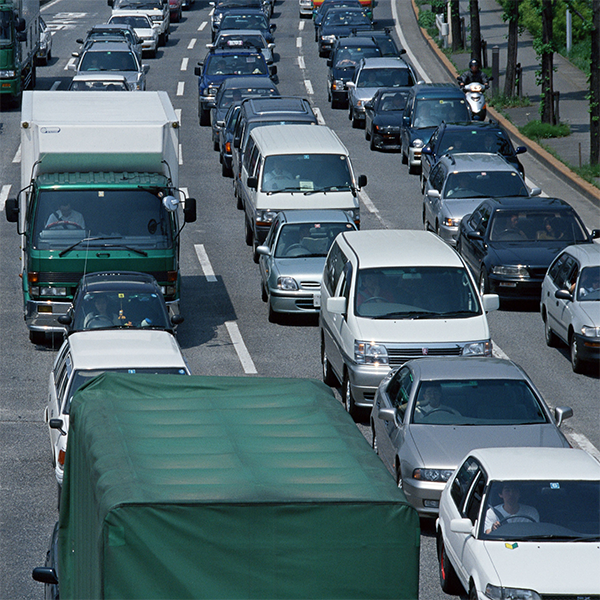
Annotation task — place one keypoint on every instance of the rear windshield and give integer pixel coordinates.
(237, 64)
(430, 113)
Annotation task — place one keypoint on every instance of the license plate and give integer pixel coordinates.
(317, 299)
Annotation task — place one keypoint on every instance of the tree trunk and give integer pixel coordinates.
(595, 87)
(512, 14)
(475, 30)
(547, 99)
(455, 25)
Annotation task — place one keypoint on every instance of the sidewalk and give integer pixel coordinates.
(568, 80)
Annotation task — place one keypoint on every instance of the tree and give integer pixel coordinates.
(545, 49)
(595, 86)
(475, 30)
(455, 25)
(511, 14)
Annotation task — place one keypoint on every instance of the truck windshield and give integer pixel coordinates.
(5, 29)
(135, 218)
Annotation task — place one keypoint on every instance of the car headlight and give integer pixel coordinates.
(478, 349)
(156, 18)
(370, 353)
(287, 283)
(265, 217)
(590, 331)
(328, 38)
(354, 214)
(418, 143)
(449, 222)
(338, 85)
(210, 91)
(441, 475)
(53, 291)
(511, 271)
(502, 593)
(7, 73)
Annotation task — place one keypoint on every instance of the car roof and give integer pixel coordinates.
(110, 27)
(426, 90)
(229, 51)
(379, 248)
(315, 216)
(250, 10)
(261, 81)
(529, 463)
(587, 254)
(129, 13)
(239, 33)
(99, 76)
(376, 62)
(275, 105)
(518, 203)
(298, 139)
(465, 367)
(347, 42)
(117, 280)
(476, 161)
(123, 348)
(100, 46)
(487, 125)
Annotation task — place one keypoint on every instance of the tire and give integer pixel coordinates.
(216, 146)
(263, 292)
(372, 143)
(412, 170)
(152, 53)
(577, 364)
(356, 123)
(204, 117)
(423, 182)
(225, 170)
(249, 234)
(348, 399)
(473, 592)
(449, 581)
(329, 377)
(484, 283)
(37, 337)
(549, 335)
(368, 134)
(162, 39)
(240, 202)
(404, 156)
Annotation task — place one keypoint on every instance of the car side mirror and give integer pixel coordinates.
(350, 84)
(110, 2)
(474, 235)
(561, 413)
(461, 526)
(177, 319)
(491, 302)
(520, 149)
(45, 575)
(401, 51)
(64, 319)
(75, 54)
(595, 234)
(221, 124)
(434, 194)
(252, 183)
(11, 210)
(189, 212)
(387, 414)
(198, 70)
(369, 104)
(236, 143)
(57, 424)
(79, 41)
(330, 62)
(427, 150)
(145, 68)
(362, 181)
(263, 251)
(406, 120)
(535, 191)
(210, 46)
(337, 305)
(272, 28)
(563, 295)
(270, 46)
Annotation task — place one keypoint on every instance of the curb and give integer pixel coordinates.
(585, 188)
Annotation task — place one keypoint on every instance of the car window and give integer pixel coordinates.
(64, 375)
(431, 112)
(384, 77)
(536, 225)
(556, 266)
(462, 482)
(475, 497)
(588, 288)
(437, 177)
(405, 386)
(475, 140)
(333, 268)
(108, 61)
(481, 184)
(568, 273)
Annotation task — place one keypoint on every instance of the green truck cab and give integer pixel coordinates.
(19, 44)
(100, 191)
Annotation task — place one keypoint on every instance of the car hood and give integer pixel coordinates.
(423, 331)
(457, 209)
(310, 267)
(423, 133)
(590, 313)
(443, 446)
(540, 254)
(525, 565)
(389, 118)
(343, 30)
(343, 73)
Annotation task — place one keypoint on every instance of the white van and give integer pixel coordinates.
(388, 296)
(286, 167)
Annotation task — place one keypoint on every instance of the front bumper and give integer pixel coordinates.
(299, 301)
(42, 315)
(149, 44)
(364, 381)
(522, 289)
(414, 157)
(449, 234)
(588, 348)
(423, 495)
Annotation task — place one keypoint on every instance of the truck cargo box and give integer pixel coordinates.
(71, 132)
(226, 487)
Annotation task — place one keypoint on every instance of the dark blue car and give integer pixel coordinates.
(338, 23)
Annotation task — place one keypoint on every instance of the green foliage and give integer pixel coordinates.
(503, 101)
(589, 172)
(536, 130)
(426, 19)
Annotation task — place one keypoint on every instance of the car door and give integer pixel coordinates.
(343, 335)
(432, 204)
(558, 309)
(265, 263)
(474, 250)
(428, 160)
(58, 383)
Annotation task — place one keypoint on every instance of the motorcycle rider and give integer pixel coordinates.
(474, 74)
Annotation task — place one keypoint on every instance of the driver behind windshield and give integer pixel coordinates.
(65, 215)
(510, 511)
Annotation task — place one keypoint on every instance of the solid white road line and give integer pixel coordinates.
(55, 86)
(180, 88)
(309, 87)
(17, 158)
(240, 347)
(184, 63)
(192, 43)
(204, 262)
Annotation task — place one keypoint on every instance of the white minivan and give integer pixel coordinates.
(287, 167)
(388, 296)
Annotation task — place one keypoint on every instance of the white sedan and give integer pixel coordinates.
(521, 524)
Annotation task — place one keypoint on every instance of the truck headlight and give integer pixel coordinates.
(591, 332)
(53, 291)
(370, 353)
(288, 284)
(511, 271)
(432, 474)
(338, 85)
(495, 592)
(7, 74)
(477, 349)
(265, 217)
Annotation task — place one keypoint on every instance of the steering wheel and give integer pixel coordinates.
(510, 235)
(502, 521)
(375, 299)
(346, 62)
(445, 409)
(296, 250)
(98, 321)
(64, 225)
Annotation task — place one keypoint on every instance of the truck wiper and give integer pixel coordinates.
(96, 239)
(286, 189)
(329, 188)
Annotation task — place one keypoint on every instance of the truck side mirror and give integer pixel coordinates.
(362, 181)
(20, 25)
(252, 182)
(45, 575)
(177, 319)
(236, 143)
(64, 319)
(189, 212)
(11, 210)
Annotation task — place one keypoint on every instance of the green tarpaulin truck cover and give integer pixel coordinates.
(227, 487)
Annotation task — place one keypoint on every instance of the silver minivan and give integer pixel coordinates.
(388, 296)
(289, 167)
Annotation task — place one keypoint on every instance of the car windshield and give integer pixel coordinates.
(392, 101)
(85, 219)
(526, 226)
(308, 239)
(228, 96)
(5, 26)
(384, 77)
(308, 173)
(120, 309)
(350, 57)
(477, 402)
(335, 18)
(549, 511)
(237, 64)
(588, 288)
(108, 61)
(244, 22)
(135, 22)
(415, 293)
(484, 184)
(430, 113)
(81, 377)
(475, 140)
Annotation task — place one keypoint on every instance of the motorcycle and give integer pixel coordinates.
(474, 94)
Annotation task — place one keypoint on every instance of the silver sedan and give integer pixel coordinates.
(430, 412)
(293, 257)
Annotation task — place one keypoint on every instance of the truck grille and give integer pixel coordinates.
(60, 277)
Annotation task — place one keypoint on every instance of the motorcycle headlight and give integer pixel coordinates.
(511, 271)
(287, 284)
(495, 592)
(370, 353)
(441, 475)
(477, 349)
(590, 331)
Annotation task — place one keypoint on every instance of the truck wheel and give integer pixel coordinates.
(37, 337)
(449, 581)
(225, 170)
(348, 398)
(162, 39)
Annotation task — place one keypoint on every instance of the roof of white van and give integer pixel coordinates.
(298, 139)
(401, 247)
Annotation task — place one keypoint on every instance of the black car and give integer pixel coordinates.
(236, 89)
(384, 40)
(324, 8)
(345, 55)
(338, 23)
(506, 243)
(221, 7)
(124, 299)
(383, 118)
(245, 19)
(469, 136)
(226, 132)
